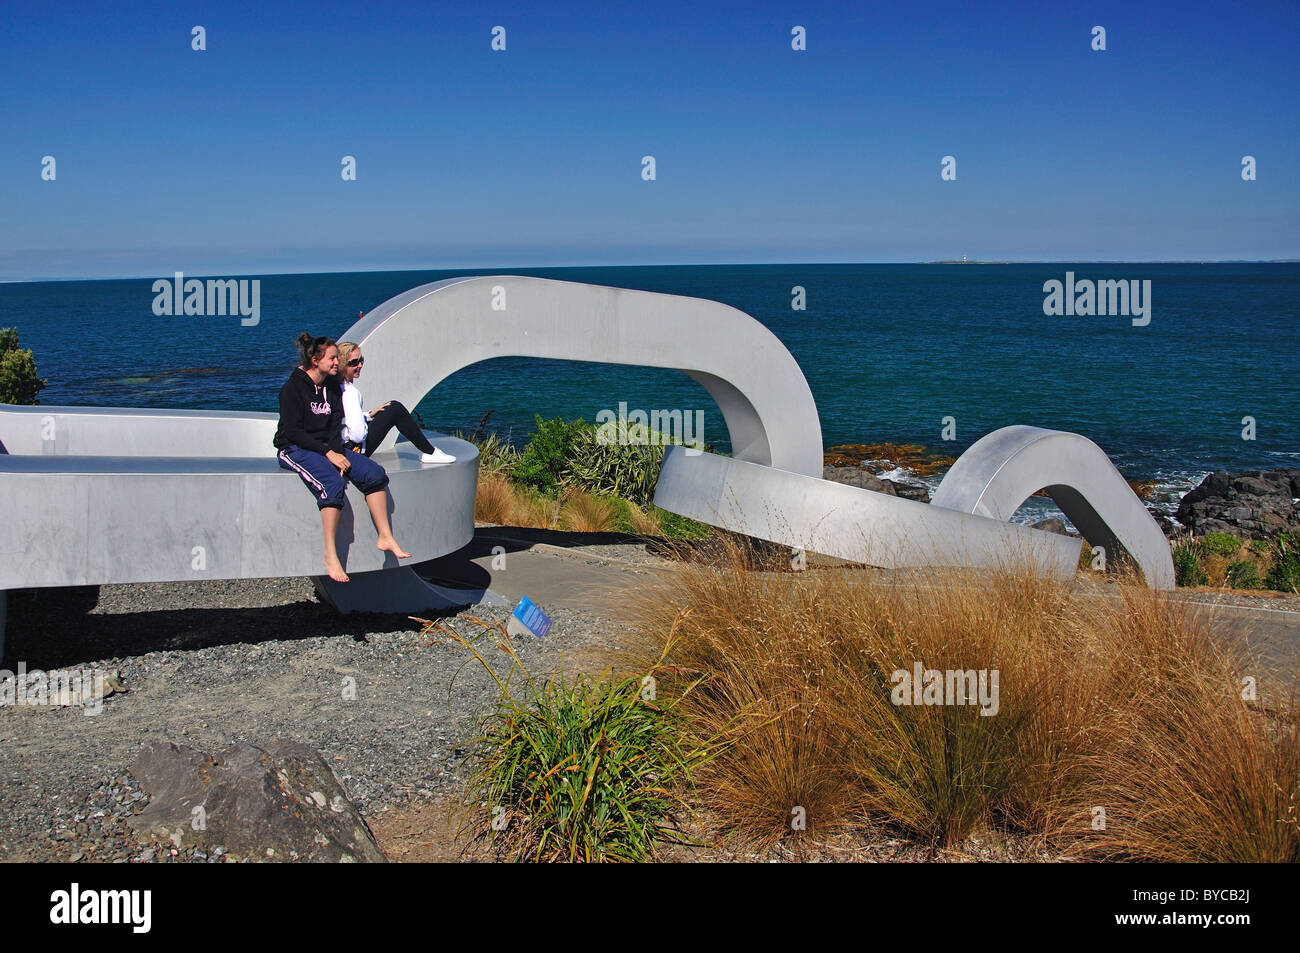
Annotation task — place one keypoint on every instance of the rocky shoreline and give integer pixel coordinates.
(1252, 505)
(1257, 504)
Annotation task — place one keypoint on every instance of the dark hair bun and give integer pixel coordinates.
(311, 347)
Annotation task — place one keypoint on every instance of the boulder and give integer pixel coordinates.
(1172, 529)
(1052, 525)
(1257, 504)
(276, 802)
(865, 479)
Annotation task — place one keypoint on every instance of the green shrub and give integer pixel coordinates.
(1220, 544)
(587, 770)
(1243, 574)
(622, 515)
(682, 527)
(1284, 575)
(19, 383)
(1187, 565)
(610, 461)
(494, 454)
(544, 464)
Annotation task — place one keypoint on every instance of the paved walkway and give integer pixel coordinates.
(591, 571)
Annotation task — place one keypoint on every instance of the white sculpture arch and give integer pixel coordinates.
(421, 337)
(1003, 469)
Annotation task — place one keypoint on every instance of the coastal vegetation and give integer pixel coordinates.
(19, 382)
(1123, 728)
(581, 769)
(1224, 560)
(567, 479)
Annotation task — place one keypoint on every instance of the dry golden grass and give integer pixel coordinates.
(1216, 568)
(582, 512)
(502, 502)
(1191, 770)
(645, 522)
(495, 501)
(535, 510)
(505, 503)
(1129, 705)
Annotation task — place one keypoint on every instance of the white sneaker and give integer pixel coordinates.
(437, 457)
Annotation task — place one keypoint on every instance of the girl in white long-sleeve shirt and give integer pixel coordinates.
(366, 431)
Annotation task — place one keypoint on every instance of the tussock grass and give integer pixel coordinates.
(576, 770)
(1191, 770)
(499, 500)
(1130, 705)
(582, 512)
(503, 501)
(495, 499)
(535, 509)
(648, 521)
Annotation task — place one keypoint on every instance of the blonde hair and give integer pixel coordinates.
(345, 351)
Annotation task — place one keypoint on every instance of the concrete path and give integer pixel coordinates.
(514, 563)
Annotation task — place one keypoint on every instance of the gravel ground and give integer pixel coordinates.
(217, 663)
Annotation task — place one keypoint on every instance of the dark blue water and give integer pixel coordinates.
(889, 351)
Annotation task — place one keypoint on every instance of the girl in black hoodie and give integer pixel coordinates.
(310, 443)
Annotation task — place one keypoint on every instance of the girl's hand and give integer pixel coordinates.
(340, 462)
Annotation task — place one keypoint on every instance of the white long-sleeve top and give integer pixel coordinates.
(355, 423)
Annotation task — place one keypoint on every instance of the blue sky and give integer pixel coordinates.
(227, 161)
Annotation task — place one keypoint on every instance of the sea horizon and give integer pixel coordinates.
(710, 264)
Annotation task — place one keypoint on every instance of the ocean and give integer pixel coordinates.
(889, 351)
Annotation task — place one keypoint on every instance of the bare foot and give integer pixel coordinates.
(389, 545)
(335, 570)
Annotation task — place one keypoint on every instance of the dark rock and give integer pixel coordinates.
(1257, 504)
(278, 802)
(866, 480)
(1171, 528)
(1052, 525)
(911, 491)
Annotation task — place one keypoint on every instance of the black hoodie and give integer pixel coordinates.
(311, 414)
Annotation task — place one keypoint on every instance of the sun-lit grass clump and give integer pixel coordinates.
(581, 769)
(504, 502)
(1123, 727)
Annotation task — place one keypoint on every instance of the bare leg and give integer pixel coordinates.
(378, 504)
(329, 518)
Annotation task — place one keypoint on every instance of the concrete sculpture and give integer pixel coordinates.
(101, 495)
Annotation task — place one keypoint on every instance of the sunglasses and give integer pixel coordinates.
(356, 362)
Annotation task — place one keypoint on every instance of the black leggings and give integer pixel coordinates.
(395, 415)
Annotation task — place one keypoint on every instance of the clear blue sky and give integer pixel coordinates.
(227, 161)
